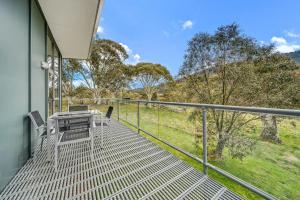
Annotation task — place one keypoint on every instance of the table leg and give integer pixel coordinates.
(49, 124)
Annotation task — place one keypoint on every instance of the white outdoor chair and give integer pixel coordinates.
(73, 130)
(41, 130)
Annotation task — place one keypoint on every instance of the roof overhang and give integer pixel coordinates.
(73, 24)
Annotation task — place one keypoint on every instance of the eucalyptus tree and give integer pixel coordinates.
(105, 71)
(69, 70)
(150, 76)
(230, 68)
(216, 68)
(276, 85)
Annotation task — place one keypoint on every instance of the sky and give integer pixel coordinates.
(157, 31)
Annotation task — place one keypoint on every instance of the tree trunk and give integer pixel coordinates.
(219, 148)
(70, 100)
(97, 97)
(270, 131)
(149, 97)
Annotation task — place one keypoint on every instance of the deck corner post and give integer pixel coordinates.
(204, 140)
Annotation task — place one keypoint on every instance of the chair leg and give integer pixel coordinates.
(36, 148)
(58, 151)
(55, 157)
(102, 132)
(109, 130)
(42, 144)
(92, 148)
(35, 153)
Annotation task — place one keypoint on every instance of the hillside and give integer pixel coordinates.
(296, 56)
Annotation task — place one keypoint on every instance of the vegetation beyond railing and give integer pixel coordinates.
(246, 156)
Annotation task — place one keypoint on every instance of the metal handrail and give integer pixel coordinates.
(263, 110)
(204, 108)
(274, 111)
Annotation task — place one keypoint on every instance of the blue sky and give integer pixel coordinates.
(158, 30)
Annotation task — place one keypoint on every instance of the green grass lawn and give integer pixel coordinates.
(273, 168)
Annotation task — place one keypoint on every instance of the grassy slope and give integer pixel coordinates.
(274, 168)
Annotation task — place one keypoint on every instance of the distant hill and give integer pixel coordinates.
(296, 56)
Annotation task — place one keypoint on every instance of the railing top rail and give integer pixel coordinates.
(274, 111)
(262, 110)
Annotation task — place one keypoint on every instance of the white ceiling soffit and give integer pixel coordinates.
(73, 24)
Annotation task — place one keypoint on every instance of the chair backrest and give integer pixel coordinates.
(77, 122)
(109, 112)
(79, 108)
(36, 119)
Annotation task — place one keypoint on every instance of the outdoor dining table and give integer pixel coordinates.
(52, 122)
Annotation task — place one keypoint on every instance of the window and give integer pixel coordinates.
(53, 59)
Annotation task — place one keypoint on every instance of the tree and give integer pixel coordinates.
(277, 85)
(150, 76)
(217, 69)
(225, 68)
(82, 92)
(69, 71)
(104, 71)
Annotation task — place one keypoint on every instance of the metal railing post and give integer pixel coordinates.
(204, 140)
(204, 108)
(138, 116)
(126, 102)
(118, 105)
(158, 120)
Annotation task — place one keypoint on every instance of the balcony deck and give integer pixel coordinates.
(128, 167)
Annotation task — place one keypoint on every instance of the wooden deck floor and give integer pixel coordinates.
(128, 167)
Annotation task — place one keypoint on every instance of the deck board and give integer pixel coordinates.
(128, 167)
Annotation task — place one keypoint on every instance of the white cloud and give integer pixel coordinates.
(187, 25)
(278, 40)
(133, 57)
(287, 48)
(136, 58)
(127, 49)
(282, 46)
(100, 29)
(292, 34)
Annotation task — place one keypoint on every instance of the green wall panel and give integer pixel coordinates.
(38, 55)
(17, 65)
(14, 59)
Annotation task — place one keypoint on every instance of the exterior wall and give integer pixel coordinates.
(14, 86)
(38, 54)
(22, 81)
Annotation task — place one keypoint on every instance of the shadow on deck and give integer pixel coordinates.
(128, 167)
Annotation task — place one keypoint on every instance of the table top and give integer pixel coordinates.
(74, 114)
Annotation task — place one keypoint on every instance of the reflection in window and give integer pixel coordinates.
(53, 78)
